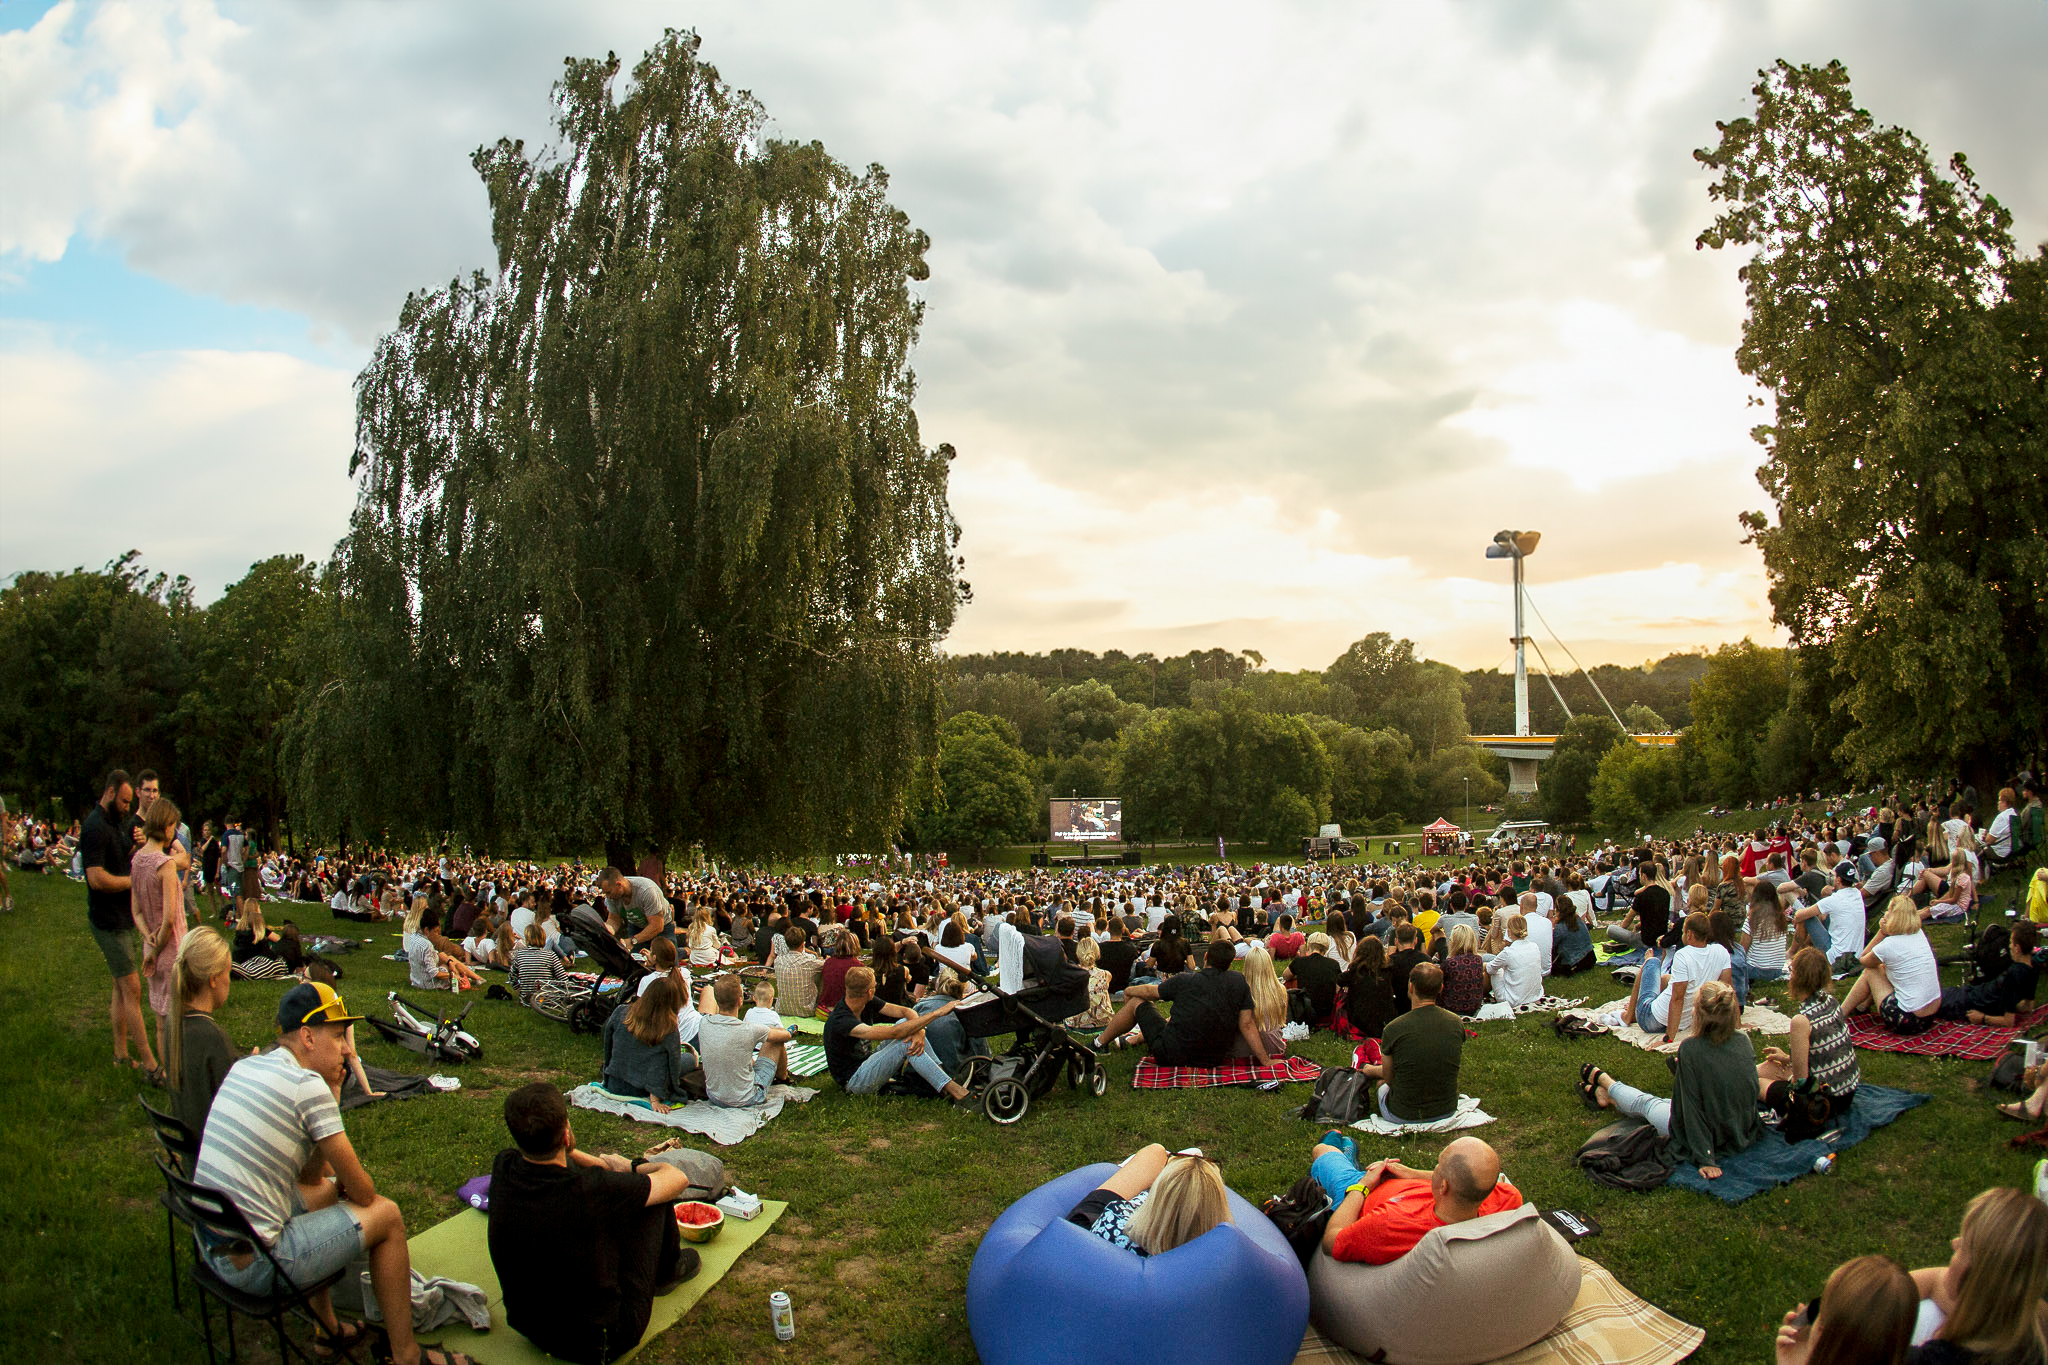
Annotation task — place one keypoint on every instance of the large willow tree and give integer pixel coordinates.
(648, 549)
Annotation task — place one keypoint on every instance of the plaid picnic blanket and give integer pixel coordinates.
(1972, 1042)
(1607, 1325)
(1152, 1076)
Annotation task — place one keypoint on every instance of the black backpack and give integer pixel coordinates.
(1301, 1214)
(1342, 1094)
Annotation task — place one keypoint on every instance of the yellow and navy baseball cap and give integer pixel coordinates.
(314, 1002)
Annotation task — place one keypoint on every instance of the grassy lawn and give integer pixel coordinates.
(889, 1197)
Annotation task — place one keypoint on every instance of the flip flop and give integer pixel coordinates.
(2017, 1111)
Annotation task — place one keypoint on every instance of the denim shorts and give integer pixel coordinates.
(120, 947)
(311, 1247)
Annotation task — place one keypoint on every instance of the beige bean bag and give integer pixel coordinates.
(1468, 1293)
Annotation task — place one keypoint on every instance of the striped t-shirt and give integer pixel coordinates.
(260, 1133)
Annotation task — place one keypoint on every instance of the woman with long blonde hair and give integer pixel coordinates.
(197, 1054)
(1988, 1297)
(1716, 1082)
(1269, 1003)
(1901, 982)
(1156, 1201)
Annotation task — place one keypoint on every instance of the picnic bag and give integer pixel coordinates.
(1301, 1214)
(1341, 1096)
(2008, 1070)
(1810, 1111)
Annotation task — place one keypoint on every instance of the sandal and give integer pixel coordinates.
(1589, 1088)
(153, 1076)
(2018, 1111)
(343, 1342)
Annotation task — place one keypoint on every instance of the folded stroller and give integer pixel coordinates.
(1054, 990)
(585, 1009)
(444, 1040)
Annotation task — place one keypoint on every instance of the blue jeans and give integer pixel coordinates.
(885, 1061)
(1629, 1100)
(1336, 1173)
(1738, 962)
(948, 1036)
(1817, 932)
(1646, 991)
(311, 1247)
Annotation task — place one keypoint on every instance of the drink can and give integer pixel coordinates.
(1823, 1164)
(780, 1317)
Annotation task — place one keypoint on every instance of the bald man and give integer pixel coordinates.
(1385, 1209)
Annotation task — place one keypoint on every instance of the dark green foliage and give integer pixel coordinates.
(1227, 769)
(1632, 786)
(91, 668)
(1565, 786)
(1901, 336)
(648, 550)
(987, 793)
(1664, 687)
(1744, 691)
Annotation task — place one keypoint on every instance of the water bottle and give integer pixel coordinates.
(1824, 1163)
(780, 1317)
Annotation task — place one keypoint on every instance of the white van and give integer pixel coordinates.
(1511, 832)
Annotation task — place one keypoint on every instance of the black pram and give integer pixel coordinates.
(586, 1010)
(1054, 990)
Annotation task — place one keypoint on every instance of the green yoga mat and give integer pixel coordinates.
(457, 1249)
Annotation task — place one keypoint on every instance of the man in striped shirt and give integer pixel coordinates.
(272, 1136)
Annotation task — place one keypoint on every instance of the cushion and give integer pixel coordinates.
(1043, 1292)
(1512, 1262)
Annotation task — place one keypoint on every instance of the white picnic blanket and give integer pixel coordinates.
(723, 1126)
(1469, 1115)
(1755, 1019)
(1543, 1004)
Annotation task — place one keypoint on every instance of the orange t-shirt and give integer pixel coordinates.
(1400, 1213)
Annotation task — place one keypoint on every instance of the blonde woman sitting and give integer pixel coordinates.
(1269, 1003)
(1087, 953)
(1901, 982)
(1156, 1201)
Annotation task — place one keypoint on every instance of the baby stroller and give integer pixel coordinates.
(1054, 989)
(445, 1040)
(585, 1011)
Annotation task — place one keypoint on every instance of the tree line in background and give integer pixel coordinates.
(648, 550)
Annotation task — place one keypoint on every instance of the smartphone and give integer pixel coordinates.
(1810, 1311)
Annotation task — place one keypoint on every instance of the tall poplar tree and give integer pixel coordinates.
(647, 548)
(1903, 338)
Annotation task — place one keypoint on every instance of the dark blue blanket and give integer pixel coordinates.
(1774, 1161)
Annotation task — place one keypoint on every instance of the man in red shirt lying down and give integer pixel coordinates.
(1386, 1208)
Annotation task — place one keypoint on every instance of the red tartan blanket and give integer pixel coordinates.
(1152, 1076)
(1972, 1042)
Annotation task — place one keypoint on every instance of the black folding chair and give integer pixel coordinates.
(215, 1217)
(181, 1149)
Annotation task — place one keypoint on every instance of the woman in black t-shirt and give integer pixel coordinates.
(1366, 1003)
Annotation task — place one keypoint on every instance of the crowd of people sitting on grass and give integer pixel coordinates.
(1400, 957)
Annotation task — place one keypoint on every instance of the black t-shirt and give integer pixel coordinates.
(552, 1244)
(1116, 958)
(209, 858)
(1318, 975)
(103, 845)
(843, 1052)
(1653, 913)
(1204, 1019)
(1398, 967)
(2003, 993)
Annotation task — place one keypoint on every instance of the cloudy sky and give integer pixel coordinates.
(1251, 323)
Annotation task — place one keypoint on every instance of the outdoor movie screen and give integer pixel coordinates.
(1089, 820)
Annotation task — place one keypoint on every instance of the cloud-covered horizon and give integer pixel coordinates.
(1251, 324)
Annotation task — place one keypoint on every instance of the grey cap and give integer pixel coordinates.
(1875, 841)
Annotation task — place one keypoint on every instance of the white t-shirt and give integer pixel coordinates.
(1909, 962)
(1517, 973)
(1695, 967)
(1845, 912)
(1543, 934)
(2001, 834)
